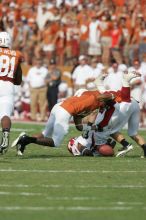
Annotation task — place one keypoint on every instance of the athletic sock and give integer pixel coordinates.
(6, 130)
(124, 143)
(144, 149)
(31, 139)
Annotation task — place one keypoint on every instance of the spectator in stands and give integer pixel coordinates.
(68, 45)
(125, 38)
(83, 32)
(75, 39)
(34, 39)
(60, 44)
(49, 36)
(62, 91)
(53, 80)
(94, 37)
(81, 73)
(36, 77)
(113, 81)
(135, 38)
(105, 27)
(95, 72)
(116, 35)
(43, 15)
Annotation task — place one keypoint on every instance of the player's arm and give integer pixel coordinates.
(82, 120)
(78, 122)
(105, 97)
(18, 75)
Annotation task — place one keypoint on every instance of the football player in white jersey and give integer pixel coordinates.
(10, 75)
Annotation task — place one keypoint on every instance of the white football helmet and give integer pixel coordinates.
(73, 147)
(5, 40)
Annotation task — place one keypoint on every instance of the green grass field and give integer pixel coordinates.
(49, 183)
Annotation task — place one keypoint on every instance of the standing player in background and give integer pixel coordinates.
(10, 75)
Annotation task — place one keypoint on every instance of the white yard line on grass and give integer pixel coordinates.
(73, 171)
(3, 193)
(22, 130)
(64, 208)
(67, 198)
(119, 186)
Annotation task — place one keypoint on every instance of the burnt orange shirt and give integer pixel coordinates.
(9, 60)
(106, 27)
(119, 2)
(87, 102)
(28, 2)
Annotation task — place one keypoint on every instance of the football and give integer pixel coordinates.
(106, 150)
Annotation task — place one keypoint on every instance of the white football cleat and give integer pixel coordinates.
(143, 157)
(19, 153)
(128, 76)
(124, 151)
(15, 142)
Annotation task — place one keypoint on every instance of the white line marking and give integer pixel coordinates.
(21, 194)
(17, 185)
(21, 129)
(67, 198)
(63, 198)
(64, 208)
(95, 186)
(70, 186)
(127, 203)
(73, 171)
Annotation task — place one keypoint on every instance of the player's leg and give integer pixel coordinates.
(6, 109)
(41, 139)
(6, 125)
(126, 146)
(133, 126)
(61, 126)
(141, 142)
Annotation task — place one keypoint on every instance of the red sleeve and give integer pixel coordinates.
(122, 95)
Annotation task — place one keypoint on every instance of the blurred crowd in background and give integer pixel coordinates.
(88, 36)
(64, 29)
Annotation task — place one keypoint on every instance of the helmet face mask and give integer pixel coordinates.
(5, 40)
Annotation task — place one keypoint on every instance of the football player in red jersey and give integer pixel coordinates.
(10, 75)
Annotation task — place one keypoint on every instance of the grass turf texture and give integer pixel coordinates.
(48, 183)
